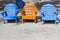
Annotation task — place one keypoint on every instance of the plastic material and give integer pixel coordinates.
(10, 12)
(29, 12)
(20, 3)
(49, 12)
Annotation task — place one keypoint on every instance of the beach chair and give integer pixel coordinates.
(29, 12)
(48, 13)
(20, 3)
(10, 12)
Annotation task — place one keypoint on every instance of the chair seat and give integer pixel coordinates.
(29, 17)
(49, 18)
(9, 18)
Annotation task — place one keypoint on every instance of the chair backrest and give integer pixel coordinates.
(11, 9)
(48, 9)
(20, 3)
(30, 9)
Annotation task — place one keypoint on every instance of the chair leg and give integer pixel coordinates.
(4, 21)
(35, 21)
(16, 21)
(22, 21)
(55, 22)
(42, 22)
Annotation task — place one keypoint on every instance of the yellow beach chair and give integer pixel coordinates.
(29, 12)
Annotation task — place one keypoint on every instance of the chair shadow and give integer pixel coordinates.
(58, 20)
(52, 22)
(38, 19)
(19, 18)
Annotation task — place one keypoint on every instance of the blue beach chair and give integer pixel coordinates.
(49, 12)
(10, 12)
(20, 3)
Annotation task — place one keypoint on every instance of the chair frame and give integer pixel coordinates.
(29, 17)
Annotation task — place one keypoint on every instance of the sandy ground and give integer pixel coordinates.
(29, 31)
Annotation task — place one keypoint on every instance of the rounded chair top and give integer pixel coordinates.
(11, 6)
(48, 8)
(49, 5)
(29, 4)
(30, 8)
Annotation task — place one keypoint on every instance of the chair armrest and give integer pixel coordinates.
(42, 14)
(56, 13)
(35, 12)
(23, 13)
(4, 14)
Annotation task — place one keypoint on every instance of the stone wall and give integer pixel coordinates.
(30, 0)
(9, 0)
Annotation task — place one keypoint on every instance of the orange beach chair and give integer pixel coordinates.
(29, 12)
